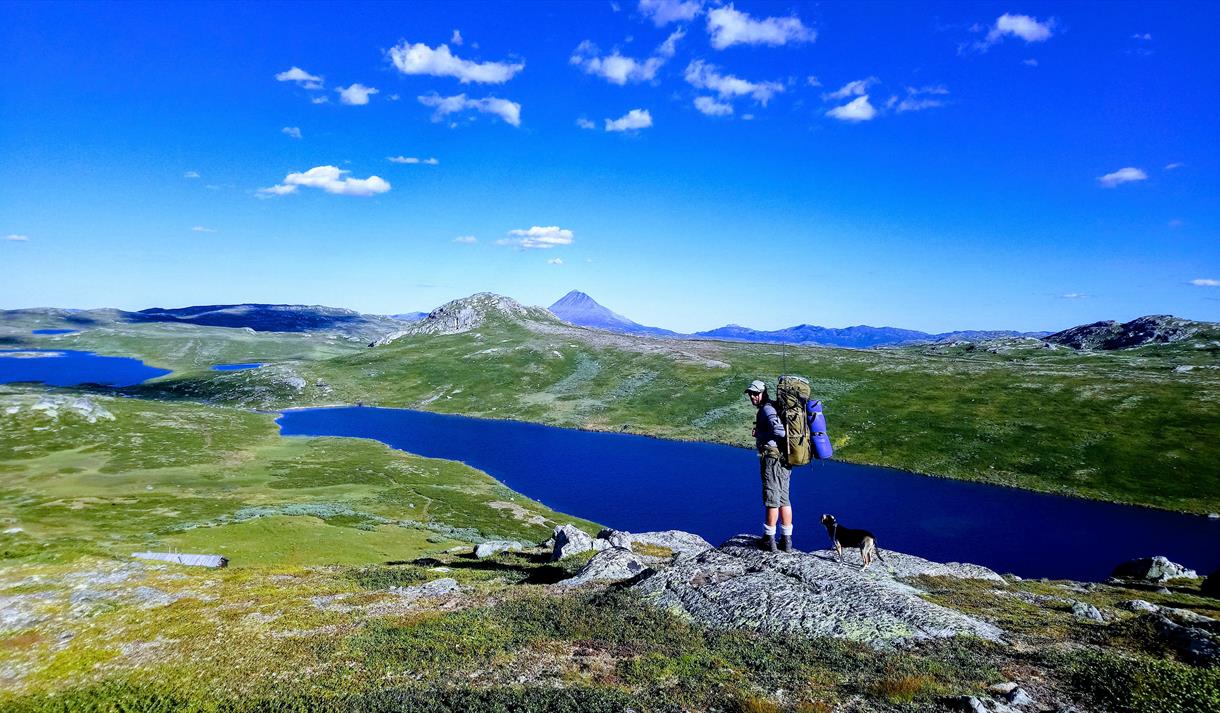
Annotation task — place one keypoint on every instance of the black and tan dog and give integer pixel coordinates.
(847, 537)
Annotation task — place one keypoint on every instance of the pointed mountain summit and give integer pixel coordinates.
(582, 310)
(467, 313)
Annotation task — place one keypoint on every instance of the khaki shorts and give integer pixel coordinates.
(775, 480)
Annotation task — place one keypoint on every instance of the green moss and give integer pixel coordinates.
(1141, 684)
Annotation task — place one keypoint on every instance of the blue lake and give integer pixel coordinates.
(638, 483)
(65, 367)
(54, 331)
(237, 367)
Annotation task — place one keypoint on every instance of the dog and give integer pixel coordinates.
(846, 536)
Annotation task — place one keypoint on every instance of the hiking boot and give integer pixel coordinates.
(766, 543)
(785, 543)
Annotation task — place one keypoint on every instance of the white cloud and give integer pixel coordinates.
(859, 109)
(631, 121)
(292, 131)
(618, 69)
(538, 238)
(711, 107)
(191, 174)
(1023, 26)
(707, 76)
(1145, 37)
(813, 81)
(456, 38)
(466, 239)
(509, 111)
(555, 261)
(356, 95)
(201, 229)
(1122, 175)
(670, 45)
(301, 77)
(584, 123)
(320, 100)
(419, 58)
(413, 160)
(15, 238)
(330, 179)
(663, 12)
(1073, 296)
(1030, 62)
(1173, 166)
(1205, 282)
(728, 26)
(918, 99)
(855, 88)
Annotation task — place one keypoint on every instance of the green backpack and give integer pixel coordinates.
(791, 395)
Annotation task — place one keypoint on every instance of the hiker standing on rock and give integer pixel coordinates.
(769, 437)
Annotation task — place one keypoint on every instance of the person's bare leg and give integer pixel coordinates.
(785, 515)
(773, 516)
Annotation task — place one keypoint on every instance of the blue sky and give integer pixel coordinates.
(932, 166)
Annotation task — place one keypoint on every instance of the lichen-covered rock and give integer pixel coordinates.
(1139, 605)
(738, 586)
(491, 548)
(1192, 643)
(1084, 610)
(615, 538)
(611, 565)
(570, 540)
(1153, 569)
(676, 541)
(435, 588)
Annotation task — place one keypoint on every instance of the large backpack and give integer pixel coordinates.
(791, 399)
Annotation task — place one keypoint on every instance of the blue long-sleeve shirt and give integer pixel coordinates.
(768, 428)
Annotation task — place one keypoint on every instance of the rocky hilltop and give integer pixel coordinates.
(463, 315)
(1153, 329)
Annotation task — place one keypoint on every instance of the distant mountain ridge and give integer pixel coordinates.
(582, 310)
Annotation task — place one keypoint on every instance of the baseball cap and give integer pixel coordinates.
(756, 387)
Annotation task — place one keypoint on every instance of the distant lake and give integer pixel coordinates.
(66, 367)
(55, 331)
(636, 483)
(236, 367)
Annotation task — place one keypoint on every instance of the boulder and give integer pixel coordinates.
(739, 586)
(615, 538)
(1156, 570)
(569, 541)
(1139, 606)
(1084, 610)
(491, 548)
(435, 588)
(611, 565)
(1192, 644)
(677, 541)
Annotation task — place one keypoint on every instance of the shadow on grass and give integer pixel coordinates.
(537, 568)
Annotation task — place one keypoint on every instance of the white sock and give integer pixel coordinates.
(769, 530)
(786, 529)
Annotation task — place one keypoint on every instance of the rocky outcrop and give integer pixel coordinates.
(610, 565)
(739, 586)
(1156, 570)
(675, 541)
(491, 548)
(569, 540)
(466, 314)
(1153, 329)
